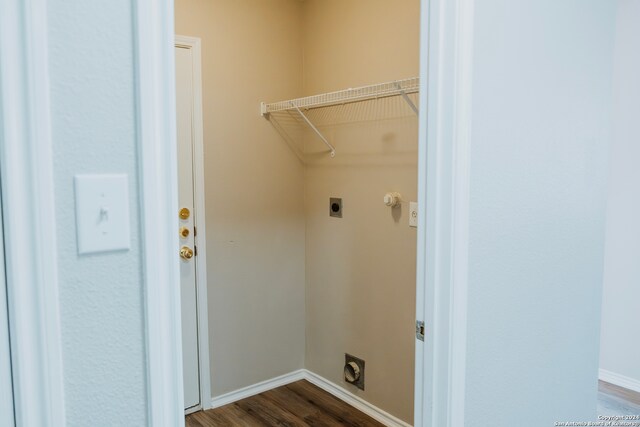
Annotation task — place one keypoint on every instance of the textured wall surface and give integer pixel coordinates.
(620, 347)
(539, 144)
(101, 295)
(251, 52)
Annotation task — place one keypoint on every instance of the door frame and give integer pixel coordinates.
(157, 163)
(26, 162)
(443, 172)
(26, 165)
(194, 44)
(6, 382)
(446, 55)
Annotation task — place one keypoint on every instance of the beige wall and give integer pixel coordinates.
(251, 51)
(350, 43)
(360, 269)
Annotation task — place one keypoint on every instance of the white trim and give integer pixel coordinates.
(194, 44)
(7, 418)
(26, 163)
(315, 379)
(257, 388)
(355, 401)
(619, 380)
(461, 183)
(423, 349)
(446, 59)
(155, 82)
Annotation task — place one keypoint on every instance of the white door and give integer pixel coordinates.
(6, 387)
(187, 251)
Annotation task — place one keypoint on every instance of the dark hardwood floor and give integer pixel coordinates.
(297, 404)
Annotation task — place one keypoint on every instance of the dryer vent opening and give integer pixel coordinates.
(354, 371)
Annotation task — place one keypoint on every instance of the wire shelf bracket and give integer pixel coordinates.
(315, 129)
(407, 99)
(364, 93)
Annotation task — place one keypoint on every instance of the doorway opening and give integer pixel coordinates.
(310, 167)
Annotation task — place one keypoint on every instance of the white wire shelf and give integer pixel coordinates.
(381, 90)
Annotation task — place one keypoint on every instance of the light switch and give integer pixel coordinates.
(102, 213)
(413, 214)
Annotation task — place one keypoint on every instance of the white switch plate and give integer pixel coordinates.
(102, 213)
(413, 214)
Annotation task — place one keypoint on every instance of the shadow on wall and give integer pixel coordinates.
(378, 132)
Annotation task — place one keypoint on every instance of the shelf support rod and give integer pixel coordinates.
(327, 143)
(407, 99)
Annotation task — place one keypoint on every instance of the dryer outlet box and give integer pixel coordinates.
(335, 207)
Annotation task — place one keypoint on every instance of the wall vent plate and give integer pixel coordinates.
(335, 207)
(354, 371)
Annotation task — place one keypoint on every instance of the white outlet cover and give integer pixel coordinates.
(102, 213)
(413, 214)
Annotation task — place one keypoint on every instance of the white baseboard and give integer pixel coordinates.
(357, 402)
(303, 374)
(258, 388)
(619, 380)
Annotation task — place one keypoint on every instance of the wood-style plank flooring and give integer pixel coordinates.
(614, 400)
(296, 405)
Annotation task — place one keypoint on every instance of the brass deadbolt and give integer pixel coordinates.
(184, 213)
(186, 253)
(184, 232)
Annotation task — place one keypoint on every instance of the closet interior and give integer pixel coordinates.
(310, 148)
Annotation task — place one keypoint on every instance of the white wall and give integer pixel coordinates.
(539, 139)
(93, 120)
(620, 345)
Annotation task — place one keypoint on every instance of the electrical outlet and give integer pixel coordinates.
(413, 214)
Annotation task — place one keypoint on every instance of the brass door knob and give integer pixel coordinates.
(186, 253)
(184, 213)
(184, 232)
